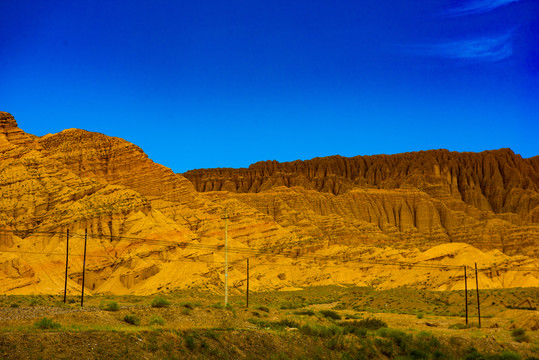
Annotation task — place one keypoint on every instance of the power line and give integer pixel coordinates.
(259, 253)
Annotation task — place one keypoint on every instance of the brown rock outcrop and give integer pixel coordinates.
(118, 162)
(498, 180)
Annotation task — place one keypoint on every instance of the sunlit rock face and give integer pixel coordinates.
(498, 181)
(301, 223)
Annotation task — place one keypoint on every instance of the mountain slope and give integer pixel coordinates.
(324, 221)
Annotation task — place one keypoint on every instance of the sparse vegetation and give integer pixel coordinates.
(519, 335)
(46, 323)
(330, 314)
(111, 306)
(370, 323)
(159, 302)
(132, 319)
(157, 320)
(304, 312)
(317, 333)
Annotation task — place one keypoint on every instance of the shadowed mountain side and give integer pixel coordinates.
(497, 180)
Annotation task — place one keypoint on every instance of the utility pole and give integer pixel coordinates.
(67, 258)
(466, 293)
(477, 289)
(226, 257)
(247, 293)
(84, 267)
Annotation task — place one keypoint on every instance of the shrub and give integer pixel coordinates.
(275, 325)
(385, 346)
(509, 355)
(304, 312)
(263, 308)
(188, 306)
(157, 320)
(519, 335)
(14, 305)
(370, 323)
(459, 326)
(47, 323)
(186, 311)
(132, 319)
(159, 302)
(349, 328)
(287, 323)
(320, 331)
(190, 342)
(400, 338)
(291, 306)
(330, 314)
(418, 354)
(112, 306)
(420, 315)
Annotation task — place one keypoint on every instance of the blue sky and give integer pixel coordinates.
(201, 84)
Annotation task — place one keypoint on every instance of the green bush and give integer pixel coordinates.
(263, 308)
(287, 323)
(519, 335)
(112, 306)
(190, 342)
(47, 323)
(320, 331)
(370, 323)
(459, 326)
(14, 305)
(400, 338)
(159, 302)
(188, 306)
(351, 329)
(291, 306)
(132, 319)
(274, 325)
(304, 312)
(157, 320)
(384, 346)
(330, 314)
(509, 355)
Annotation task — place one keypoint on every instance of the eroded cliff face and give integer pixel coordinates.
(118, 162)
(498, 181)
(301, 223)
(487, 199)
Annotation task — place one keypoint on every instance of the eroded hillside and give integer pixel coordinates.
(324, 221)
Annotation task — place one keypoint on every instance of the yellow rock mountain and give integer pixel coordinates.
(402, 220)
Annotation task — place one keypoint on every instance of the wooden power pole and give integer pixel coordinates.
(84, 267)
(477, 289)
(226, 257)
(466, 293)
(67, 259)
(247, 293)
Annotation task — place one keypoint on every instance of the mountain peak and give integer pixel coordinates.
(7, 120)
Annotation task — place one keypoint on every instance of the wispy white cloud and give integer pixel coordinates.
(478, 7)
(485, 49)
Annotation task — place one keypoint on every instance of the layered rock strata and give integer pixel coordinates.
(325, 221)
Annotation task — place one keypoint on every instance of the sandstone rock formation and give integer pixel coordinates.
(498, 181)
(323, 221)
